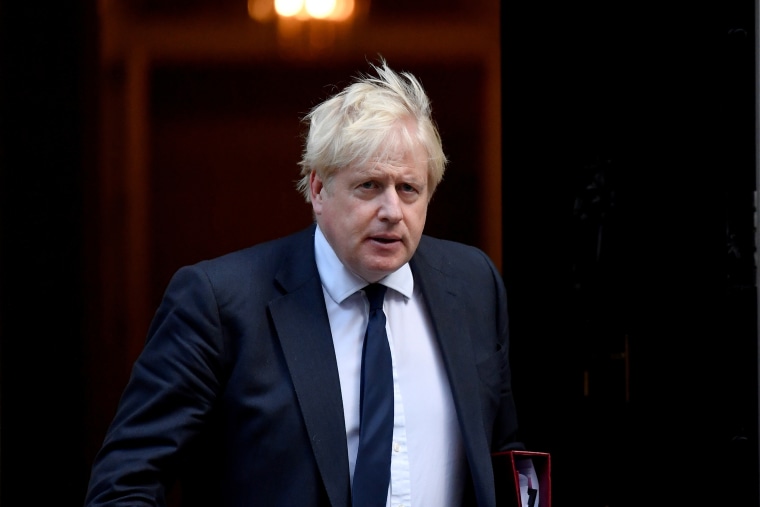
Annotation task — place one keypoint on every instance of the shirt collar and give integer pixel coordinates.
(340, 282)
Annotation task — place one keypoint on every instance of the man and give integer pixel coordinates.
(250, 387)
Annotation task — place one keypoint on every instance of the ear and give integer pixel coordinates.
(316, 187)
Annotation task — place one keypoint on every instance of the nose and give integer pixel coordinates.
(390, 206)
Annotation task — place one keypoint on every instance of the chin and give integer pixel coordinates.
(381, 273)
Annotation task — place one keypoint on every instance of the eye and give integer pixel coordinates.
(407, 188)
(368, 185)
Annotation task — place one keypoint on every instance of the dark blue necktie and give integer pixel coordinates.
(373, 462)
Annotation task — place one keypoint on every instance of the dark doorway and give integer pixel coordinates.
(629, 202)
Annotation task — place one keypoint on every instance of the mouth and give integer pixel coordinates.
(384, 240)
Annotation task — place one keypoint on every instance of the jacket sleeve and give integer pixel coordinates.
(505, 430)
(168, 399)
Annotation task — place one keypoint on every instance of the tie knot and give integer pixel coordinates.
(375, 294)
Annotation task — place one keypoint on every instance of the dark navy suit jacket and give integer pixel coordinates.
(236, 394)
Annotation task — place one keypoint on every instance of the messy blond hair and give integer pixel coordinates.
(356, 125)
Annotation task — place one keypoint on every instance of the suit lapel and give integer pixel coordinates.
(303, 328)
(442, 294)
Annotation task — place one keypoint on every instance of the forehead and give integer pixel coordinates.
(400, 154)
(401, 150)
(403, 164)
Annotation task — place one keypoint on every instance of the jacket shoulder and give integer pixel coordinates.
(255, 264)
(452, 256)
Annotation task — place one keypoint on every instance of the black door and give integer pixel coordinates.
(628, 212)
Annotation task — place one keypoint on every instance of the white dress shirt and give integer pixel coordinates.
(427, 461)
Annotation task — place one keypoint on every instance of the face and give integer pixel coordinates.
(373, 216)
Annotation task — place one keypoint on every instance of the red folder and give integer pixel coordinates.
(506, 466)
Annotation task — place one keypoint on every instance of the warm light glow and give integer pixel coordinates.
(320, 9)
(343, 10)
(288, 8)
(261, 10)
(302, 10)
